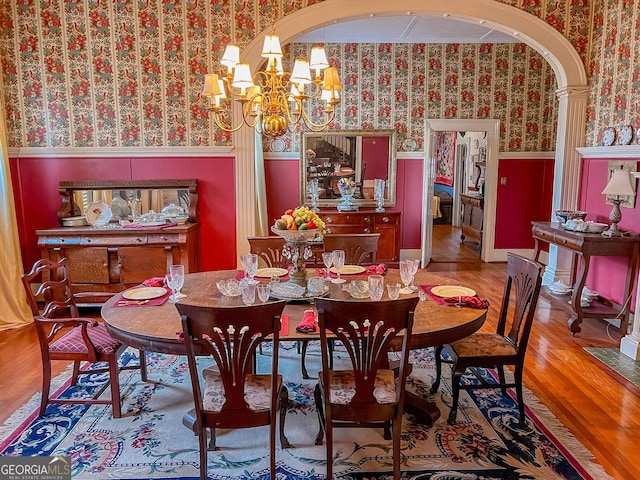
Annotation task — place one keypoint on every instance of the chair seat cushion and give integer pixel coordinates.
(72, 341)
(483, 345)
(343, 386)
(257, 391)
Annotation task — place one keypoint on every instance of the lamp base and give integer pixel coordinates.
(613, 231)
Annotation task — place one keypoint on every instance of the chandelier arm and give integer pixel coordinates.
(317, 127)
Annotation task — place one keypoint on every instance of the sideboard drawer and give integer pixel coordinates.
(112, 240)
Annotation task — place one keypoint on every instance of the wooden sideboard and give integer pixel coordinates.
(472, 217)
(113, 259)
(588, 245)
(387, 224)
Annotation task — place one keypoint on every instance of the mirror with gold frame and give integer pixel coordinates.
(360, 155)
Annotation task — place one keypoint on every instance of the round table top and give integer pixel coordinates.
(154, 328)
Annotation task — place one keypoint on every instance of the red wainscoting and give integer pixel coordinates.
(282, 178)
(525, 190)
(606, 274)
(36, 180)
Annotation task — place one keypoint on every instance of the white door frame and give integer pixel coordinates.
(492, 127)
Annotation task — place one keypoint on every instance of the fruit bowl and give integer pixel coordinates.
(298, 236)
(565, 215)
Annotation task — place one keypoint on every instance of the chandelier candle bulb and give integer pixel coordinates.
(273, 101)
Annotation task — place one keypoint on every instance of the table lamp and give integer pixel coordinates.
(619, 185)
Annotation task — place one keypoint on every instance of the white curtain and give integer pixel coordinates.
(14, 312)
(262, 222)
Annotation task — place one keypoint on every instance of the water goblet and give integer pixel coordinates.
(249, 293)
(327, 259)
(172, 283)
(393, 289)
(405, 275)
(250, 264)
(264, 290)
(338, 262)
(376, 287)
(177, 272)
(415, 264)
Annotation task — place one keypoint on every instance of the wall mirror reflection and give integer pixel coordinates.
(360, 156)
(129, 198)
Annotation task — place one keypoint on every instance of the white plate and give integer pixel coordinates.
(98, 213)
(271, 272)
(144, 293)
(349, 270)
(452, 291)
(152, 224)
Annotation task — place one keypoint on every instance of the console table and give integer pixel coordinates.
(588, 245)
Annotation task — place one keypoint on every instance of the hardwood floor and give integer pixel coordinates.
(598, 406)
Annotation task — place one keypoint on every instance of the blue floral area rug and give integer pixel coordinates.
(151, 442)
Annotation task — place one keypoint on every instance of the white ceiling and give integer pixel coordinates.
(405, 29)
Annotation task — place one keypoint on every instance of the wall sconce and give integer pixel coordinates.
(619, 185)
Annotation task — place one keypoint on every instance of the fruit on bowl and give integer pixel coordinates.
(301, 218)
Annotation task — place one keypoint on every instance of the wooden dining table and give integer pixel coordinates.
(155, 328)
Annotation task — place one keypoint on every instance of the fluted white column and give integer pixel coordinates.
(572, 106)
(630, 344)
(243, 141)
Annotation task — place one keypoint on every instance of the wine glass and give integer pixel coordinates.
(250, 264)
(405, 275)
(176, 272)
(415, 264)
(327, 259)
(338, 262)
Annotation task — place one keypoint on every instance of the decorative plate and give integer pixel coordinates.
(144, 293)
(452, 291)
(349, 270)
(410, 145)
(608, 136)
(625, 135)
(98, 213)
(271, 272)
(278, 145)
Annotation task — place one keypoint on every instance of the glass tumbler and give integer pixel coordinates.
(249, 293)
(393, 289)
(376, 287)
(264, 290)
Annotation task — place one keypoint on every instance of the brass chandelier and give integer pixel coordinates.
(273, 101)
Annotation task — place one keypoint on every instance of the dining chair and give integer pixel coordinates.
(232, 395)
(64, 335)
(269, 250)
(366, 393)
(359, 248)
(506, 347)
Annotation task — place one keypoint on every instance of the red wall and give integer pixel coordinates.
(375, 152)
(36, 180)
(525, 196)
(606, 274)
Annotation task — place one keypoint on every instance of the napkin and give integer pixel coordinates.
(154, 282)
(308, 323)
(377, 269)
(466, 301)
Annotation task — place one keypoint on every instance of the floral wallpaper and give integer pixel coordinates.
(91, 73)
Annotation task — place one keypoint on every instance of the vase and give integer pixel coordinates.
(346, 192)
(297, 249)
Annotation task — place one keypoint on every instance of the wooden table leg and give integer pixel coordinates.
(425, 411)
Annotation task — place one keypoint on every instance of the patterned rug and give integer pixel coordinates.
(151, 442)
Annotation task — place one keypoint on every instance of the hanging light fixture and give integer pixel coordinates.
(273, 101)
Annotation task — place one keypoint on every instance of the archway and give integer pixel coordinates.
(556, 49)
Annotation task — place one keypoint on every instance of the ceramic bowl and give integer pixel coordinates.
(565, 215)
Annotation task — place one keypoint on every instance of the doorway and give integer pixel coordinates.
(492, 129)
